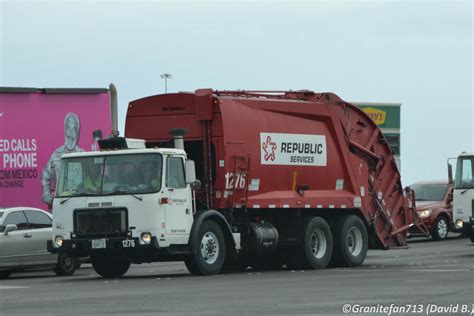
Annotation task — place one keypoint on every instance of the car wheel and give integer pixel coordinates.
(471, 236)
(440, 229)
(110, 265)
(209, 255)
(66, 265)
(5, 274)
(350, 242)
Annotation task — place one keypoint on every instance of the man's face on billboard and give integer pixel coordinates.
(71, 132)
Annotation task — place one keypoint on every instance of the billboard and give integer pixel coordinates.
(36, 128)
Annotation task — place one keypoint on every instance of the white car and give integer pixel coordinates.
(24, 232)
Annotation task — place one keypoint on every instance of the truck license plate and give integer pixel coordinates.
(98, 243)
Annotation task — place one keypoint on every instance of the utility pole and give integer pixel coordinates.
(166, 76)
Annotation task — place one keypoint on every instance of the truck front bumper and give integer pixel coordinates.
(86, 247)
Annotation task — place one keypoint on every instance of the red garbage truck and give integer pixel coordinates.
(236, 178)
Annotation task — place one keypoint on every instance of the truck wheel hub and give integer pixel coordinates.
(354, 241)
(209, 248)
(318, 243)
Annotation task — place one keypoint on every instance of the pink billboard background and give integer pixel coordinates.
(34, 133)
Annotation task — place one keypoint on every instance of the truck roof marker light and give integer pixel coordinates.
(164, 200)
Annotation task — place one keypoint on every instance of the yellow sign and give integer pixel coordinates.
(378, 116)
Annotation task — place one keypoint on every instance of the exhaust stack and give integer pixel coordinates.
(178, 136)
(114, 110)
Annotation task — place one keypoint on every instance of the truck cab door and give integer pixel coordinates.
(178, 210)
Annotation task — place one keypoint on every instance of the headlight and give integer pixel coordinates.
(58, 241)
(425, 213)
(459, 223)
(145, 238)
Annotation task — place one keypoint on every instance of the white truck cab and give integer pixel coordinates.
(137, 201)
(463, 195)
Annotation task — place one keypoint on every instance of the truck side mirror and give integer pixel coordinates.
(10, 228)
(190, 172)
(450, 173)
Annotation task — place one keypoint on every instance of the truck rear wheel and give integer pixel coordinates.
(350, 242)
(110, 265)
(316, 250)
(208, 256)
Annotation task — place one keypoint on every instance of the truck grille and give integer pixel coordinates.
(109, 222)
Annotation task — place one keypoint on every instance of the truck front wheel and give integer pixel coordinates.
(350, 242)
(209, 251)
(110, 265)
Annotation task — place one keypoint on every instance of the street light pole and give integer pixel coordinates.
(166, 76)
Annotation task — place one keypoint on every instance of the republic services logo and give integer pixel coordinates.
(269, 148)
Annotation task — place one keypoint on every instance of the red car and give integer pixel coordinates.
(434, 206)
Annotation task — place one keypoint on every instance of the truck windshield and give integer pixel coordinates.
(104, 175)
(464, 169)
(430, 192)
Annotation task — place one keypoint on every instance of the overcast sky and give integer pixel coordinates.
(417, 53)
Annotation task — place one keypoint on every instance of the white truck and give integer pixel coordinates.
(463, 195)
(101, 187)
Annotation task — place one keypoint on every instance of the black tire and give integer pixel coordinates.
(350, 242)
(190, 263)
(440, 228)
(110, 265)
(5, 274)
(66, 265)
(316, 249)
(208, 255)
(471, 236)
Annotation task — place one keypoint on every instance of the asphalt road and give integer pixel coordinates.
(427, 276)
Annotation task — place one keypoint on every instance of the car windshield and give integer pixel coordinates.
(109, 175)
(464, 173)
(430, 192)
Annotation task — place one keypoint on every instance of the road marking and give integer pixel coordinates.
(11, 287)
(439, 270)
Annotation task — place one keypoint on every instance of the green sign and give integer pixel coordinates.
(384, 116)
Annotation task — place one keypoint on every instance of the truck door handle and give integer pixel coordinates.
(27, 236)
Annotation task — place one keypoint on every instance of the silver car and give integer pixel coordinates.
(24, 232)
